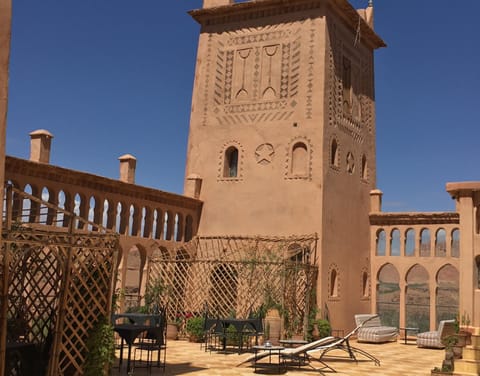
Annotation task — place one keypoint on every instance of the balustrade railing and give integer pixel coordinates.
(128, 209)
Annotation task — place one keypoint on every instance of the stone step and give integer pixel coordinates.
(471, 353)
(475, 341)
(465, 366)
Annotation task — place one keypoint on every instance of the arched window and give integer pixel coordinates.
(425, 242)
(381, 242)
(410, 242)
(417, 298)
(395, 243)
(447, 293)
(299, 165)
(231, 162)
(455, 246)
(388, 295)
(440, 243)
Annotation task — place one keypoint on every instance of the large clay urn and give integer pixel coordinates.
(274, 324)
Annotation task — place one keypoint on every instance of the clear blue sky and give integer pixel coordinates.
(109, 77)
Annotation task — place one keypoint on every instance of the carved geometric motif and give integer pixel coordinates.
(256, 75)
(310, 74)
(264, 153)
(357, 115)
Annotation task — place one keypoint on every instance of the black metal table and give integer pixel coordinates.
(128, 333)
(272, 350)
(408, 329)
(240, 325)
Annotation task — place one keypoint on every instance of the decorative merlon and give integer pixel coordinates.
(40, 145)
(128, 163)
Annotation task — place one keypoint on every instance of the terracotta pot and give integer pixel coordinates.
(172, 331)
(273, 321)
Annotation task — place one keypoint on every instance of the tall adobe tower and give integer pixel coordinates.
(282, 132)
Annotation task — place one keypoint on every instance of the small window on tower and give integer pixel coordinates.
(231, 162)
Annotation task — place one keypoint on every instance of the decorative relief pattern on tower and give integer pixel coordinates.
(257, 75)
(310, 74)
(207, 80)
(350, 88)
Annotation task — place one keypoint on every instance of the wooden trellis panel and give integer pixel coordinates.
(57, 282)
(236, 275)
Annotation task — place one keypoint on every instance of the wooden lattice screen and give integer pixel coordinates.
(235, 276)
(56, 282)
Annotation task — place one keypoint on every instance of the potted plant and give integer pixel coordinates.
(194, 328)
(323, 328)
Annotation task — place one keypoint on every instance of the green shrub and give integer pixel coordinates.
(194, 328)
(324, 328)
(101, 349)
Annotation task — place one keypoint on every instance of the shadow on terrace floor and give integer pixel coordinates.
(397, 359)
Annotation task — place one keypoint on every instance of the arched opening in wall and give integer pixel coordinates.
(410, 242)
(169, 225)
(118, 217)
(166, 218)
(131, 216)
(222, 297)
(188, 228)
(143, 221)
(299, 165)
(178, 227)
(334, 158)
(417, 298)
(26, 204)
(230, 169)
(440, 243)
(61, 204)
(132, 284)
(425, 242)
(381, 243)
(365, 285)
(106, 207)
(91, 212)
(77, 202)
(388, 295)
(43, 208)
(455, 245)
(364, 168)
(155, 232)
(395, 242)
(446, 304)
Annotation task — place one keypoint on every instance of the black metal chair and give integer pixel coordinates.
(153, 340)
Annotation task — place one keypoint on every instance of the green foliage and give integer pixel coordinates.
(154, 294)
(465, 319)
(100, 349)
(194, 327)
(324, 328)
